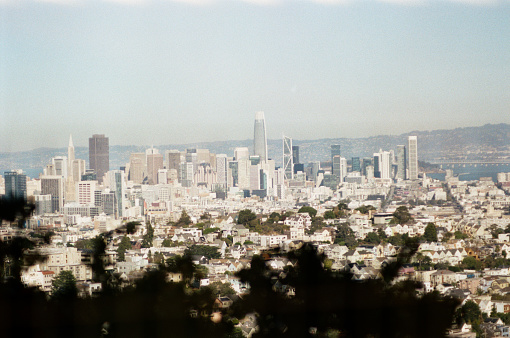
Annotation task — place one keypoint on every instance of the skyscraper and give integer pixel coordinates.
(295, 154)
(401, 163)
(15, 184)
(288, 166)
(259, 137)
(99, 155)
(356, 164)
(70, 158)
(335, 151)
(413, 157)
(54, 185)
(222, 170)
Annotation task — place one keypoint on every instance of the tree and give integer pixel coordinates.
(184, 220)
(372, 238)
(469, 313)
(148, 237)
(63, 286)
(446, 237)
(125, 244)
(222, 289)
(210, 252)
(472, 263)
(327, 301)
(345, 236)
(460, 235)
(210, 230)
(364, 209)
(246, 216)
(330, 214)
(311, 211)
(430, 234)
(401, 216)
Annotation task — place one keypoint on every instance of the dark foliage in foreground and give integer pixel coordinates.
(153, 307)
(326, 301)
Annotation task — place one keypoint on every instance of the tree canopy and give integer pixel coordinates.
(125, 244)
(430, 234)
(310, 210)
(208, 251)
(246, 216)
(401, 215)
(63, 286)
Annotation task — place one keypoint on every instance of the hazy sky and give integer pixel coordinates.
(161, 71)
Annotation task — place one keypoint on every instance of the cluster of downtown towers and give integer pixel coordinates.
(66, 180)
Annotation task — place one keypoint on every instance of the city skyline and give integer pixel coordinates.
(155, 70)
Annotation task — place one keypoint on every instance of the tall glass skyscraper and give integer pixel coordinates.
(259, 137)
(401, 162)
(15, 184)
(99, 155)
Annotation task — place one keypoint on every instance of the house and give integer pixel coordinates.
(442, 277)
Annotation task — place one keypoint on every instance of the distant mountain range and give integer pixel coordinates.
(488, 142)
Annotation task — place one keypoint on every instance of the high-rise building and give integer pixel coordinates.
(401, 163)
(336, 166)
(60, 166)
(99, 155)
(15, 184)
(343, 169)
(154, 163)
(85, 192)
(53, 185)
(356, 164)
(288, 166)
(413, 157)
(335, 151)
(117, 186)
(222, 170)
(241, 153)
(70, 158)
(259, 137)
(137, 167)
(382, 164)
(173, 158)
(295, 154)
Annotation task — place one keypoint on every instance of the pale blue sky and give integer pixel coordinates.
(162, 72)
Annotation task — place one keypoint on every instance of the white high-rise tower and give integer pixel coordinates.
(259, 137)
(413, 157)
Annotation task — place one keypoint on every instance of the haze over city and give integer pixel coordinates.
(174, 72)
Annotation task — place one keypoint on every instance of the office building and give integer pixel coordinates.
(413, 157)
(15, 184)
(259, 137)
(401, 163)
(173, 159)
(154, 163)
(288, 165)
(241, 153)
(382, 164)
(137, 167)
(335, 166)
(60, 166)
(295, 154)
(222, 170)
(356, 164)
(54, 185)
(335, 151)
(99, 155)
(85, 192)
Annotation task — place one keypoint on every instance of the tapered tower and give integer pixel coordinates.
(259, 138)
